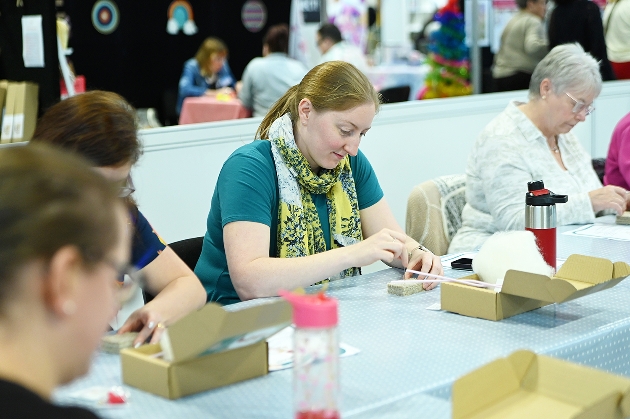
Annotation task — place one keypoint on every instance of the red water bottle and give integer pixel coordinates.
(540, 218)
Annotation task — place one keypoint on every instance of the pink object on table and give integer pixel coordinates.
(618, 160)
(208, 109)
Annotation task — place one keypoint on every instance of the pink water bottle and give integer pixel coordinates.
(540, 218)
(315, 356)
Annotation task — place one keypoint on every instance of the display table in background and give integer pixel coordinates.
(393, 75)
(208, 109)
(410, 356)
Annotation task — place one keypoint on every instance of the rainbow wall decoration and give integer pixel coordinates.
(180, 17)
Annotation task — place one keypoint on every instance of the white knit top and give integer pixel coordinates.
(508, 153)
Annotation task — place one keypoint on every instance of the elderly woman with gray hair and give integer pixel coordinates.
(532, 141)
(523, 45)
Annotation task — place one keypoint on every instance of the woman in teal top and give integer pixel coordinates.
(305, 205)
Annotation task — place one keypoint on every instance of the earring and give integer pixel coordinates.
(69, 307)
(544, 97)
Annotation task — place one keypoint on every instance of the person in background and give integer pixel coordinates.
(617, 168)
(302, 204)
(208, 73)
(333, 47)
(533, 141)
(63, 246)
(267, 78)
(523, 45)
(617, 33)
(101, 127)
(580, 21)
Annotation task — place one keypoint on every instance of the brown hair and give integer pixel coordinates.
(333, 85)
(100, 126)
(208, 48)
(277, 38)
(50, 199)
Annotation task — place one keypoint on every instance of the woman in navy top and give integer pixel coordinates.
(101, 126)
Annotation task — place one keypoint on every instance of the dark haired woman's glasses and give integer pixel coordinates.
(128, 279)
(126, 188)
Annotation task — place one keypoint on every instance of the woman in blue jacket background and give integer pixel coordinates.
(208, 73)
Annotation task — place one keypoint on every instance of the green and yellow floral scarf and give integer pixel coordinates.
(299, 230)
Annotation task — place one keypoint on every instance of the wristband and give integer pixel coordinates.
(420, 247)
(424, 249)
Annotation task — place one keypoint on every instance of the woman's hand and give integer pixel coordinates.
(609, 197)
(420, 260)
(177, 293)
(145, 321)
(386, 245)
(227, 91)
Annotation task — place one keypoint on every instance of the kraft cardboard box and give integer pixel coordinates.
(526, 385)
(24, 111)
(20, 116)
(522, 291)
(7, 117)
(3, 94)
(207, 349)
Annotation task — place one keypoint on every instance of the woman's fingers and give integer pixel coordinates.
(144, 333)
(157, 333)
(146, 323)
(425, 262)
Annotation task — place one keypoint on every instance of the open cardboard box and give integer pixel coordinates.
(208, 348)
(523, 291)
(526, 385)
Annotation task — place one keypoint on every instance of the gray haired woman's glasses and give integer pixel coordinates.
(580, 106)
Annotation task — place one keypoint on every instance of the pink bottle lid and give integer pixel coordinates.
(312, 310)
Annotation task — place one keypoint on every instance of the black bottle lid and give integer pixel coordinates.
(539, 196)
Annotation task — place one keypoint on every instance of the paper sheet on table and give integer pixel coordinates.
(281, 350)
(447, 259)
(135, 302)
(602, 231)
(32, 41)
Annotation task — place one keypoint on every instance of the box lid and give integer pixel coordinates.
(213, 329)
(526, 385)
(580, 275)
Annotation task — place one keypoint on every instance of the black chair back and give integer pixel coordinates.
(188, 250)
(599, 165)
(396, 94)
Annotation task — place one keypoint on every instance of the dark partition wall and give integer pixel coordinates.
(11, 61)
(142, 61)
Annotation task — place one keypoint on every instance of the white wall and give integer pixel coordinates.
(409, 143)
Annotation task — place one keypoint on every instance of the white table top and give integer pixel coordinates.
(410, 356)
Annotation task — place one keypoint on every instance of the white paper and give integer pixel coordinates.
(7, 128)
(602, 231)
(32, 41)
(281, 350)
(435, 306)
(135, 302)
(18, 126)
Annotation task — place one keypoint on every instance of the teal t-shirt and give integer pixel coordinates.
(247, 190)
